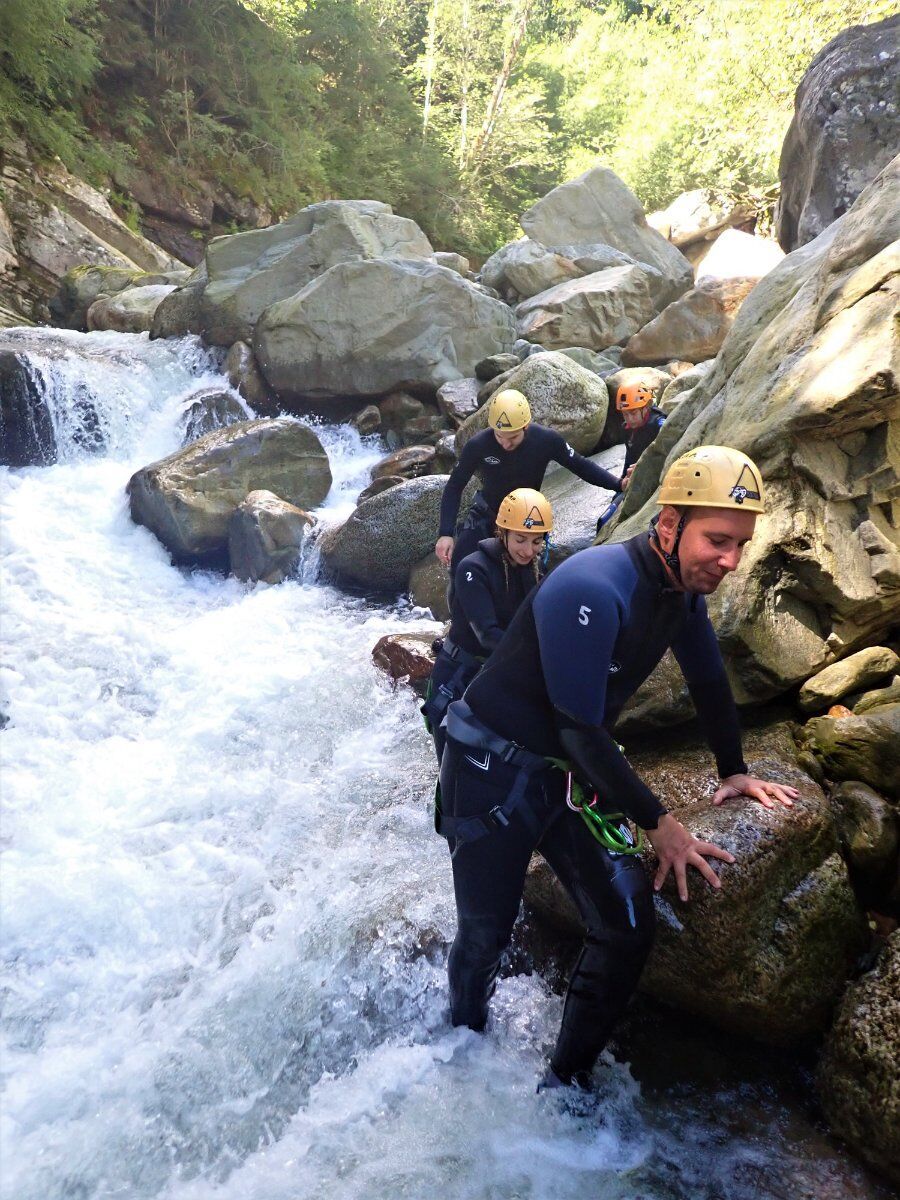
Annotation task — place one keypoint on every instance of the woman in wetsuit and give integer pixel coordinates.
(490, 584)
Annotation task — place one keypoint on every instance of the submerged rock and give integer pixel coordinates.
(187, 499)
(859, 1074)
(207, 411)
(406, 656)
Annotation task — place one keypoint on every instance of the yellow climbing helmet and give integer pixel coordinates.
(714, 477)
(508, 412)
(525, 511)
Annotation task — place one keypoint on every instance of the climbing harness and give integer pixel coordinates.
(438, 698)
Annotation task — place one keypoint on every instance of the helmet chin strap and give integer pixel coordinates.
(670, 557)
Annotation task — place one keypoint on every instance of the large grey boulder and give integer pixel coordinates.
(523, 268)
(767, 955)
(250, 271)
(859, 1074)
(599, 207)
(694, 326)
(561, 394)
(808, 384)
(385, 537)
(81, 286)
(845, 129)
(187, 498)
(130, 311)
(364, 328)
(265, 538)
(595, 311)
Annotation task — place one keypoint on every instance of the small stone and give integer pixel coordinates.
(850, 674)
(368, 420)
(405, 656)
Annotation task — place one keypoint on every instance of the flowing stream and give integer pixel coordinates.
(224, 911)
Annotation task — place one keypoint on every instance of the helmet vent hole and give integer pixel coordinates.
(696, 474)
(690, 493)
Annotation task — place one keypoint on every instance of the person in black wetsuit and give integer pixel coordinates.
(512, 452)
(491, 583)
(642, 423)
(579, 646)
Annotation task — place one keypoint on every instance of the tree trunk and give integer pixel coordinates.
(479, 147)
(429, 66)
(464, 89)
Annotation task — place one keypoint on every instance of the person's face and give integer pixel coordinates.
(711, 545)
(523, 548)
(634, 418)
(509, 441)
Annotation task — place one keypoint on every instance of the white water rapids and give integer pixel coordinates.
(224, 910)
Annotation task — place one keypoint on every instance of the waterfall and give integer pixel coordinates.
(224, 910)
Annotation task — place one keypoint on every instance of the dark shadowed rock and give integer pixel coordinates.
(26, 429)
(845, 129)
(859, 1074)
(208, 410)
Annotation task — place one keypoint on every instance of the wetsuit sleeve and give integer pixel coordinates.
(700, 659)
(474, 595)
(459, 477)
(590, 472)
(578, 620)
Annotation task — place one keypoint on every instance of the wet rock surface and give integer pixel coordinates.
(767, 955)
(187, 498)
(385, 537)
(265, 537)
(859, 1076)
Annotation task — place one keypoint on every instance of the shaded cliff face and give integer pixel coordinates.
(51, 222)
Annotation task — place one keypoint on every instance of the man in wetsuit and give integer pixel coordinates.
(490, 584)
(511, 453)
(642, 423)
(579, 646)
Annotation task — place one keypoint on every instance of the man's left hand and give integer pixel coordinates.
(757, 789)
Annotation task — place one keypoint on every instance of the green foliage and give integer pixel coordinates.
(459, 113)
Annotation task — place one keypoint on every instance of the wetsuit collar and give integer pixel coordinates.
(492, 547)
(651, 563)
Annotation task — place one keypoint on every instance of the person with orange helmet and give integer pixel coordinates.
(490, 584)
(532, 740)
(512, 452)
(642, 421)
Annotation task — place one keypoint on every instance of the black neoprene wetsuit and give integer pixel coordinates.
(485, 598)
(578, 647)
(500, 472)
